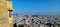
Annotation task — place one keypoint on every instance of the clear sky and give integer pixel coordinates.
(40, 7)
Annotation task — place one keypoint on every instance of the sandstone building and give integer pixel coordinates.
(5, 12)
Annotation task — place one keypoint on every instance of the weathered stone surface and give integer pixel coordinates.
(3, 14)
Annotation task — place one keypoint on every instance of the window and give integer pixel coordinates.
(10, 14)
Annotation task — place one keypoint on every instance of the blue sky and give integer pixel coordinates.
(40, 7)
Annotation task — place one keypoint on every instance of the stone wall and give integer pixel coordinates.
(3, 14)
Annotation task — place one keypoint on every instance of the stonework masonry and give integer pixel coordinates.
(4, 15)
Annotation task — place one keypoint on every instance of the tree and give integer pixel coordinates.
(15, 25)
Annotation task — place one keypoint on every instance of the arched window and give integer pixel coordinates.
(10, 13)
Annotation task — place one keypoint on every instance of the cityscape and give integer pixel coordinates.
(29, 13)
(36, 20)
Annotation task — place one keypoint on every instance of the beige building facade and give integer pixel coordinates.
(9, 7)
(5, 10)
